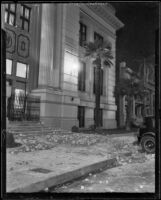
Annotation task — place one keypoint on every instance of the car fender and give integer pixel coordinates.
(149, 133)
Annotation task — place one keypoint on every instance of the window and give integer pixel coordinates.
(82, 34)
(8, 66)
(82, 77)
(100, 82)
(98, 37)
(100, 116)
(81, 116)
(10, 14)
(22, 70)
(25, 17)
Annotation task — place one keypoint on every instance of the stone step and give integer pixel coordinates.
(25, 124)
(32, 132)
(29, 127)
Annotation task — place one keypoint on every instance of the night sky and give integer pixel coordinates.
(136, 39)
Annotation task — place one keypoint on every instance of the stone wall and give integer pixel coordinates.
(60, 56)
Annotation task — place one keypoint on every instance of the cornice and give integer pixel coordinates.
(111, 8)
(107, 16)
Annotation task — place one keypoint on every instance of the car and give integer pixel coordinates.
(146, 135)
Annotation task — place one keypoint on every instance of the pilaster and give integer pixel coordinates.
(47, 46)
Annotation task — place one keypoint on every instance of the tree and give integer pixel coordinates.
(101, 54)
(131, 87)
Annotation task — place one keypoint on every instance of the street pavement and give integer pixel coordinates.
(47, 160)
(134, 176)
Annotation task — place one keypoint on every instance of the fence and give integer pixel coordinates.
(23, 107)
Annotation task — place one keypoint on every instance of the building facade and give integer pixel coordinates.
(45, 58)
(140, 106)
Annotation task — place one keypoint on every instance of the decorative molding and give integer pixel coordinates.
(23, 44)
(10, 41)
(105, 15)
(111, 8)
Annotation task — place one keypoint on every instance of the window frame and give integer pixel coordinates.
(82, 34)
(24, 19)
(26, 73)
(97, 36)
(11, 66)
(10, 12)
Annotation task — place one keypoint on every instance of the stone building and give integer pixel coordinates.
(44, 58)
(140, 107)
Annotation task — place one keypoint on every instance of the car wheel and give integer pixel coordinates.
(148, 144)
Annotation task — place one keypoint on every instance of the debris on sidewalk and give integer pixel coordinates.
(37, 142)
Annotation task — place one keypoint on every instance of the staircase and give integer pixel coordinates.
(28, 127)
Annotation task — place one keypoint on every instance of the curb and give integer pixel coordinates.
(54, 181)
(131, 134)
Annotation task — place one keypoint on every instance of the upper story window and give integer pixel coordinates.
(82, 77)
(25, 17)
(10, 14)
(82, 34)
(98, 37)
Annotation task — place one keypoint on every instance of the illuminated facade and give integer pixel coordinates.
(44, 52)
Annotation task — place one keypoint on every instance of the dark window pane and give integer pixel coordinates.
(81, 116)
(82, 34)
(98, 37)
(82, 77)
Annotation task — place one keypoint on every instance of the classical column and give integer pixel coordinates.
(47, 46)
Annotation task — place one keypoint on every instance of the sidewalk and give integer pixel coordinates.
(49, 160)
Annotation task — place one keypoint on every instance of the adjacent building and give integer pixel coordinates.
(45, 58)
(140, 106)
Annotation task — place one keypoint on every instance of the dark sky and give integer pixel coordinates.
(137, 38)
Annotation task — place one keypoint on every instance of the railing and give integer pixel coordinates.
(23, 107)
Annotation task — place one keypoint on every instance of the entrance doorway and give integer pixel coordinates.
(17, 76)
